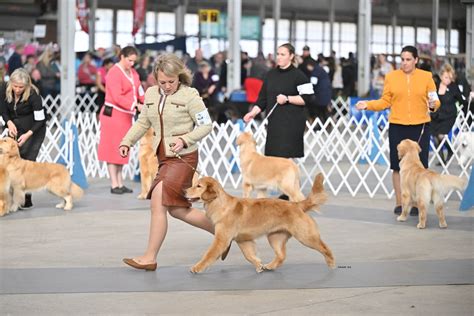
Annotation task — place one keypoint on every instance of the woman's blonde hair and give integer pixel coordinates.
(20, 76)
(449, 70)
(171, 65)
(46, 56)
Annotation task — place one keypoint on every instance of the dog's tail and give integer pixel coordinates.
(446, 182)
(76, 191)
(317, 196)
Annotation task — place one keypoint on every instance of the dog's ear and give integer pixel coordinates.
(402, 150)
(238, 141)
(418, 147)
(14, 150)
(209, 194)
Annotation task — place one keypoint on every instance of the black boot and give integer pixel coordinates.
(28, 203)
(284, 197)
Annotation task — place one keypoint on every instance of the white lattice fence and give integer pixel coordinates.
(351, 153)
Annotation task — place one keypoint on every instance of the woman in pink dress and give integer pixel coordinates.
(123, 97)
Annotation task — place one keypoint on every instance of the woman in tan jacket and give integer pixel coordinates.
(180, 119)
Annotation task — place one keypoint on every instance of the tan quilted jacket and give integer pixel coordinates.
(184, 116)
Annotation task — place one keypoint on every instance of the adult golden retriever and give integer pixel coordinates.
(5, 200)
(245, 219)
(148, 163)
(27, 176)
(262, 172)
(421, 185)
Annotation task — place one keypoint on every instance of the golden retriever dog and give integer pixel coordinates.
(421, 186)
(261, 172)
(5, 199)
(245, 219)
(148, 163)
(27, 176)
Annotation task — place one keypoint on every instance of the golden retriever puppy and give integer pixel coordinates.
(148, 163)
(421, 185)
(245, 219)
(4, 191)
(262, 172)
(27, 176)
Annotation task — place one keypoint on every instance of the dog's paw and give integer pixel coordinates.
(196, 269)
(60, 205)
(443, 225)
(260, 268)
(142, 196)
(420, 226)
(401, 218)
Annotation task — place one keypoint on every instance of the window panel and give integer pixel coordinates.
(191, 24)
(408, 35)
(423, 35)
(104, 20)
(150, 23)
(379, 34)
(301, 30)
(268, 29)
(103, 39)
(125, 39)
(81, 40)
(441, 42)
(284, 30)
(454, 41)
(166, 23)
(348, 32)
(315, 30)
(124, 21)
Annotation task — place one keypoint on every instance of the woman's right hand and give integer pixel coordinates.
(12, 131)
(251, 115)
(123, 150)
(361, 105)
(248, 117)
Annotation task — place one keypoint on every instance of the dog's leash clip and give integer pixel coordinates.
(181, 158)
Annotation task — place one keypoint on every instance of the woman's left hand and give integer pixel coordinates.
(23, 138)
(282, 99)
(177, 146)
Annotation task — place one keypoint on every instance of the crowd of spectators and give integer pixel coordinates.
(209, 74)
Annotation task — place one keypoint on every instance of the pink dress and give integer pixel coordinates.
(121, 93)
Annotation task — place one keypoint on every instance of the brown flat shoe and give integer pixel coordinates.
(136, 265)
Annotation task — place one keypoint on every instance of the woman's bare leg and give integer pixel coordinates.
(158, 227)
(112, 168)
(396, 187)
(119, 175)
(192, 216)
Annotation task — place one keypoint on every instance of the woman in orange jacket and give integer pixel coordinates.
(410, 93)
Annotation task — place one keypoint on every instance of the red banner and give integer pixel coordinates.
(139, 11)
(83, 14)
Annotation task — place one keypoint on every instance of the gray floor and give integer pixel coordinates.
(56, 263)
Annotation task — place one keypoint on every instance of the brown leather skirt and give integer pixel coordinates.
(176, 176)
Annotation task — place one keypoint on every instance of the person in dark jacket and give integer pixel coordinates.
(15, 62)
(442, 121)
(284, 93)
(319, 107)
(22, 110)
